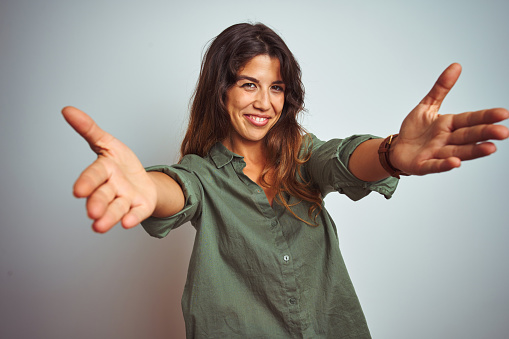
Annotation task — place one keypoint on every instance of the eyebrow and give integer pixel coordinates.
(245, 77)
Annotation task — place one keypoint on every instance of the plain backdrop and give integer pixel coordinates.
(429, 263)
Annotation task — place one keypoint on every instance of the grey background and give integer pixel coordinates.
(429, 263)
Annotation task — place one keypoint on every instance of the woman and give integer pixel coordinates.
(266, 260)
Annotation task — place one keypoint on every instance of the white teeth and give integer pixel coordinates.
(258, 119)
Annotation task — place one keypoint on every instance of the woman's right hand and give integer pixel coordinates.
(116, 185)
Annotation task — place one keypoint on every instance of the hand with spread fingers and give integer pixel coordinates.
(117, 187)
(430, 143)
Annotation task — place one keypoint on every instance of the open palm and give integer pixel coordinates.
(430, 143)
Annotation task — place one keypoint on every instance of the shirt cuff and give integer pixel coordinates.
(160, 227)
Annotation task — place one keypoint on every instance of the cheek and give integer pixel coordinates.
(235, 104)
(280, 105)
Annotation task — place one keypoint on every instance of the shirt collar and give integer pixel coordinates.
(222, 155)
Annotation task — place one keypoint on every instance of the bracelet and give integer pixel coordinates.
(383, 155)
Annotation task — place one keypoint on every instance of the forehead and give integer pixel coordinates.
(262, 65)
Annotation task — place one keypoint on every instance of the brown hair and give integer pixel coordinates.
(209, 121)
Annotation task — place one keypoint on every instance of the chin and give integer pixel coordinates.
(252, 135)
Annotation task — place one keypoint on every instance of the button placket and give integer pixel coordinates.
(289, 287)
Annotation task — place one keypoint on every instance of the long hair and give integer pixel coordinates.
(209, 120)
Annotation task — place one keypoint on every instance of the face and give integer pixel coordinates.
(256, 100)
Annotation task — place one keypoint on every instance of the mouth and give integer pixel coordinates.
(257, 120)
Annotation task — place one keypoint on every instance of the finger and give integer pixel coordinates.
(100, 199)
(467, 152)
(488, 116)
(92, 177)
(443, 85)
(438, 165)
(135, 216)
(114, 213)
(86, 127)
(479, 133)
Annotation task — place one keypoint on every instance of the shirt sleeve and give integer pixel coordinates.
(328, 169)
(192, 189)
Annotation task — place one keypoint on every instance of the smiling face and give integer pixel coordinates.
(256, 100)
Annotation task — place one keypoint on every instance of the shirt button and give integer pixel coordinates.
(286, 258)
(274, 222)
(293, 301)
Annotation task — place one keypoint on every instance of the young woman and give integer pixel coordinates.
(266, 261)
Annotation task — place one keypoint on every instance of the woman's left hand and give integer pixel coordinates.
(431, 143)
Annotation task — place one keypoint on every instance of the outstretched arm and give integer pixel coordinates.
(431, 143)
(116, 185)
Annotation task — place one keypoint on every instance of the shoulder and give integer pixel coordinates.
(192, 160)
(310, 142)
(212, 164)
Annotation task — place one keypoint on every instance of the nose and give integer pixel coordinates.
(262, 101)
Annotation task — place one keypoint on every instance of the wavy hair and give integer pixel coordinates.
(209, 120)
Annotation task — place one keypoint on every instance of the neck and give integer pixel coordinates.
(255, 157)
(254, 152)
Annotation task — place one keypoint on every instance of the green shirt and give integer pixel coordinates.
(256, 271)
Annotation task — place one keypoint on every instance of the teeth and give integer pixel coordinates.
(258, 119)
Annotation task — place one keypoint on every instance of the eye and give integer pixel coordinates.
(278, 88)
(248, 85)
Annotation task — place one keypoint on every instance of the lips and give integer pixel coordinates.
(257, 120)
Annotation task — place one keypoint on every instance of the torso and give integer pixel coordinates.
(254, 173)
(253, 153)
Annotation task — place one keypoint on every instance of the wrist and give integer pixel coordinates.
(385, 151)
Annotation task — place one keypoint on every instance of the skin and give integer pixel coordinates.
(255, 103)
(432, 143)
(116, 185)
(118, 189)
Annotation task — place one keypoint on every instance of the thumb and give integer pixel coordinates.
(85, 126)
(443, 85)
